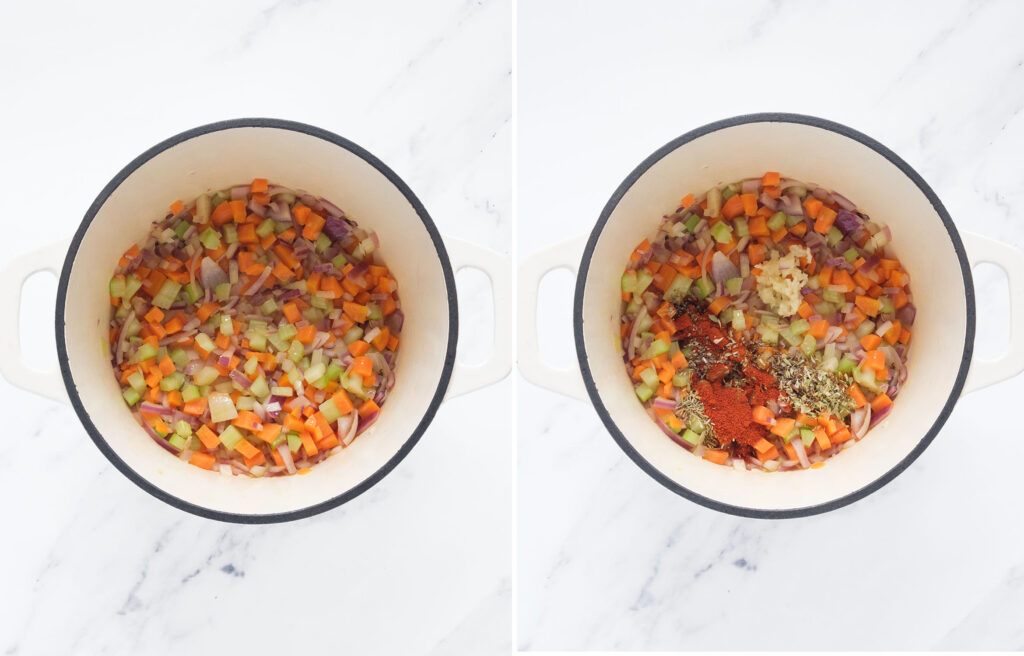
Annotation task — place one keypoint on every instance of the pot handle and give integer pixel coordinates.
(466, 378)
(12, 279)
(989, 372)
(565, 255)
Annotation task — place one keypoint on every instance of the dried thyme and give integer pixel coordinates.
(811, 391)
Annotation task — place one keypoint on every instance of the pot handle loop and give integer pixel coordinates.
(989, 372)
(467, 378)
(565, 255)
(12, 279)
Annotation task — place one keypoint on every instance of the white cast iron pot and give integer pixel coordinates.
(298, 156)
(882, 185)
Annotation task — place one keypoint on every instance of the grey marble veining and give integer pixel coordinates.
(421, 563)
(607, 558)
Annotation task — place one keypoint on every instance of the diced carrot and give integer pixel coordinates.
(355, 311)
(258, 186)
(155, 315)
(368, 408)
(222, 213)
(818, 329)
(679, 360)
(826, 217)
(873, 359)
(202, 460)
(166, 366)
(306, 334)
(362, 366)
(381, 340)
(208, 437)
(880, 402)
(799, 229)
(790, 451)
(343, 402)
(246, 448)
(719, 304)
(285, 254)
(717, 456)
(870, 342)
(905, 336)
(749, 204)
(664, 277)
(313, 227)
(771, 178)
(813, 207)
(763, 415)
(733, 207)
(301, 213)
(237, 210)
(868, 305)
(174, 399)
(821, 437)
(195, 407)
(763, 446)
(842, 278)
(393, 340)
(893, 334)
(291, 312)
(780, 234)
(248, 420)
(177, 207)
(308, 444)
(804, 310)
(257, 459)
(783, 426)
(222, 341)
(358, 347)
(758, 227)
(770, 454)
(756, 254)
(687, 201)
(269, 432)
(842, 435)
(639, 251)
(857, 395)
(206, 310)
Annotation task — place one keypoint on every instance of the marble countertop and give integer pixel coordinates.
(609, 559)
(423, 562)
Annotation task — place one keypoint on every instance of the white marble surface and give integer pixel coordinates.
(608, 559)
(421, 563)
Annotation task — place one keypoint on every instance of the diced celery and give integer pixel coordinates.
(676, 291)
(189, 392)
(807, 436)
(205, 376)
(824, 308)
(334, 371)
(643, 279)
(282, 391)
(229, 437)
(131, 397)
(650, 377)
(294, 442)
(728, 192)
(259, 388)
(702, 287)
(258, 342)
(789, 336)
(885, 305)
(726, 315)
(697, 425)
(721, 232)
(634, 306)
(851, 254)
(204, 342)
(691, 222)
(203, 208)
(318, 357)
(323, 242)
(177, 441)
(194, 291)
(281, 437)
(227, 326)
(799, 326)
(834, 236)
(168, 292)
(628, 282)
(181, 228)
(321, 303)
(266, 227)
(137, 381)
(691, 437)
(172, 381)
(222, 408)
(808, 346)
(117, 286)
(866, 379)
(339, 261)
(776, 221)
(219, 197)
(833, 296)
(714, 206)
(268, 307)
(296, 350)
(131, 285)
(278, 343)
(681, 379)
(847, 365)
(644, 392)
(769, 335)
(656, 348)
(145, 352)
(739, 321)
(733, 286)
(792, 220)
(287, 332)
(771, 320)
(353, 385)
(250, 366)
(373, 312)
(865, 328)
(245, 403)
(315, 372)
(210, 239)
(230, 233)
(222, 291)
(183, 428)
(330, 411)
(742, 227)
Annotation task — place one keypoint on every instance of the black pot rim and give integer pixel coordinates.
(581, 353)
(417, 433)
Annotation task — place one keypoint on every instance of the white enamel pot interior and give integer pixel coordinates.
(298, 156)
(880, 184)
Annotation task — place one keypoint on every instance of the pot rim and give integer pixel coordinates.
(414, 437)
(584, 269)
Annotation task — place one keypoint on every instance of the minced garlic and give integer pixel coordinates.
(781, 280)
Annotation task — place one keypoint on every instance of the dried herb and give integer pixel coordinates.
(810, 390)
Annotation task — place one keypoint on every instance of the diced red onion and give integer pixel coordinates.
(286, 456)
(153, 409)
(259, 281)
(240, 378)
(879, 416)
(240, 192)
(750, 186)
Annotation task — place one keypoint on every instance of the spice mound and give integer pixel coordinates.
(767, 324)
